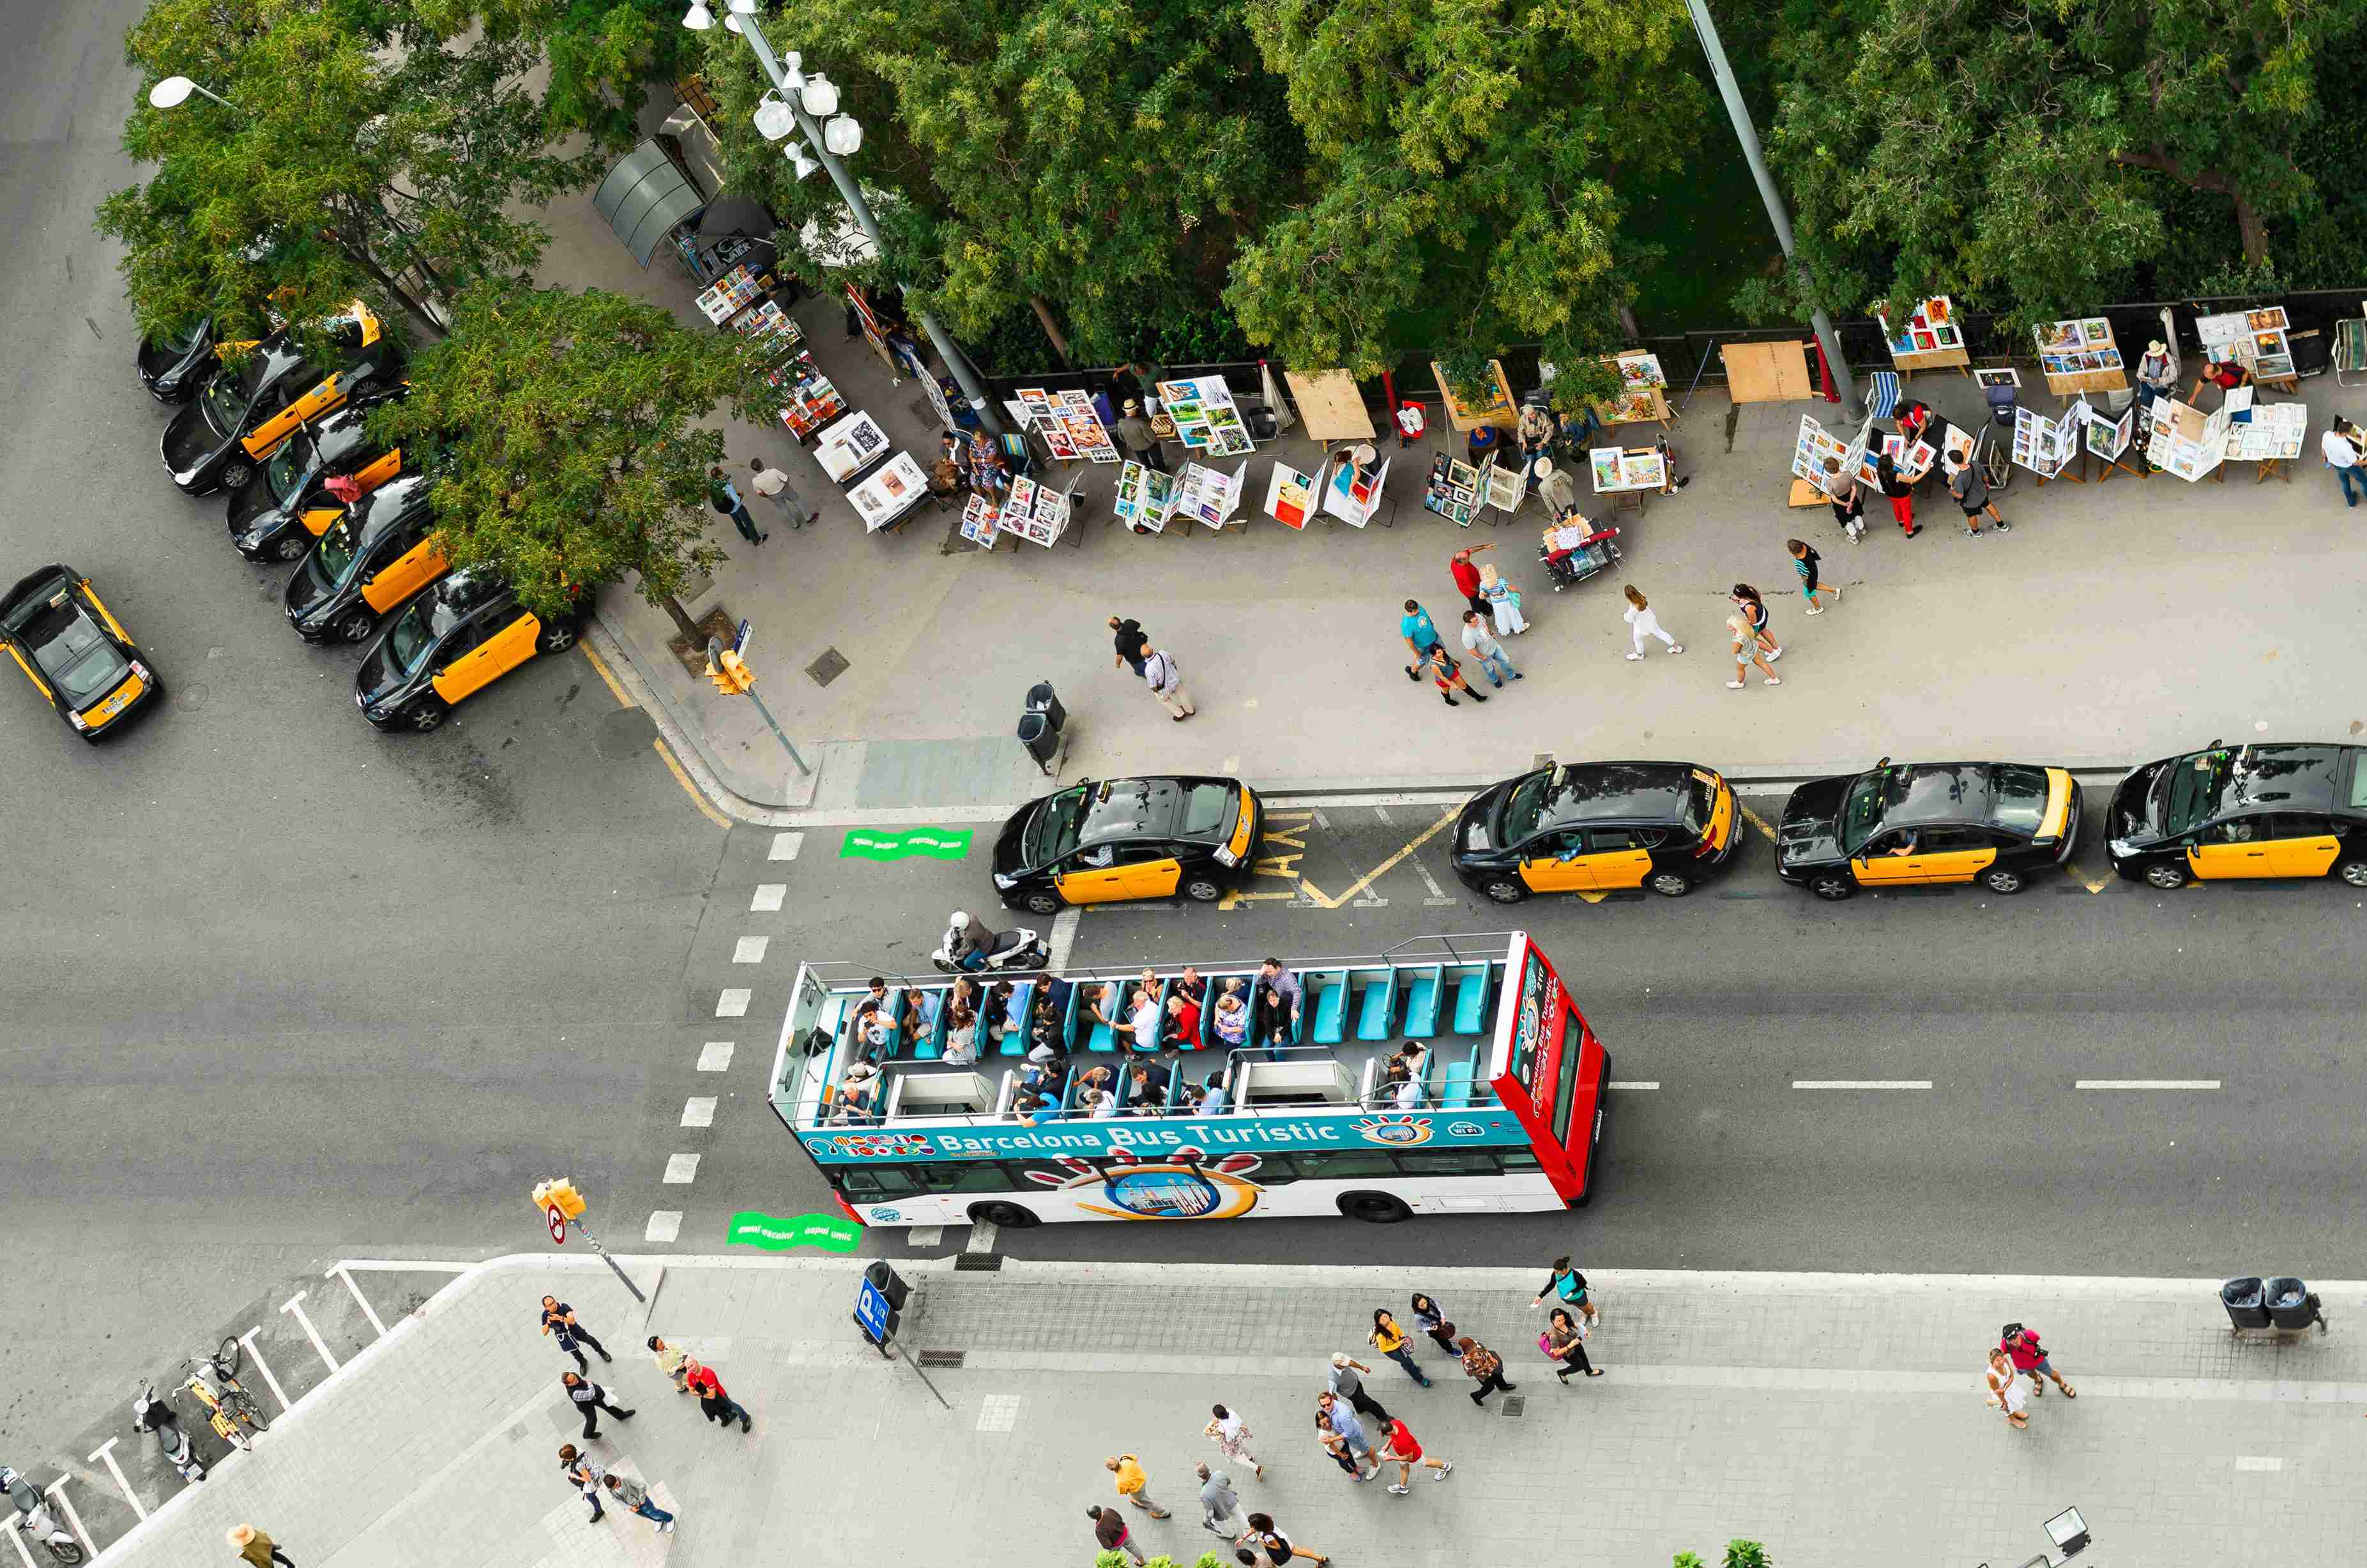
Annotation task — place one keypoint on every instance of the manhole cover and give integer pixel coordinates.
(828, 668)
(625, 732)
(192, 697)
(1513, 1404)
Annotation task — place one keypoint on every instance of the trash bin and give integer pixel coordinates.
(2290, 1303)
(1042, 741)
(2242, 1298)
(1042, 698)
(890, 1283)
(2002, 401)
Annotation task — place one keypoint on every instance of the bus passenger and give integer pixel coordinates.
(1232, 1015)
(1213, 1104)
(1182, 1029)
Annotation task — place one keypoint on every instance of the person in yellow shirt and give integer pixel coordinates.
(1132, 1485)
(1390, 1341)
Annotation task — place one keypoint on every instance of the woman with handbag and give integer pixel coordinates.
(1564, 1340)
(1503, 602)
(2006, 1391)
(1390, 1341)
(1431, 1318)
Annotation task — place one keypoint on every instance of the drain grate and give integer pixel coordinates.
(828, 668)
(1513, 1404)
(978, 1262)
(942, 1358)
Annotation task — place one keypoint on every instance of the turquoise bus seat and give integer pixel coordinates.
(1375, 992)
(929, 1040)
(1330, 1006)
(1458, 1082)
(1104, 1038)
(1472, 999)
(1421, 1001)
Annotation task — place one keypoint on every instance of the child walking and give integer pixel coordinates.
(1804, 558)
(1646, 624)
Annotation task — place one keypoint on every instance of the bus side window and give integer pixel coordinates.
(876, 1181)
(1515, 1160)
(1336, 1164)
(1449, 1162)
(964, 1176)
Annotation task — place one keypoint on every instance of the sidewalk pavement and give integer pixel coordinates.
(1838, 1419)
(2118, 622)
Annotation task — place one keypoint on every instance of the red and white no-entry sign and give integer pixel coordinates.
(558, 1224)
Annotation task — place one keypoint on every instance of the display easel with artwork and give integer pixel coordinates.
(1456, 490)
(1145, 498)
(1497, 409)
(1506, 487)
(1352, 495)
(1206, 419)
(1037, 513)
(1289, 493)
(2108, 441)
(2045, 446)
(2187, 442)
(1814, 445)
(980, 519)
(1208, 495)
(1643, 392)
(2081, 355)
(2261, 340)
(2271, 437)
(1931, 338)
(1067, 425)
(1627, 473)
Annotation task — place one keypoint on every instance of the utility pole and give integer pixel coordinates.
(1747, 134)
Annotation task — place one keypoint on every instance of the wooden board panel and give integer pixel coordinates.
(1940, 359)
(1329, 405)
(1504, 417)
(2087, 381)
(1767, 372)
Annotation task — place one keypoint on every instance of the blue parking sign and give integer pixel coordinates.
(871, 1312)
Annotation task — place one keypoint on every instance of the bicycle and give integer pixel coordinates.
(229, 1409)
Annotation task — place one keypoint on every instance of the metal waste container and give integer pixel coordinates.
(1042, 741)
(2243, 1298)
(2290, 1303)
(1042, 698)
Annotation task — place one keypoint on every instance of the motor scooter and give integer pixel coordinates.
(34, 1518)
(1018, 950)
(155, 1416)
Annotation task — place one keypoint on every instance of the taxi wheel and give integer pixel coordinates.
(291, 547)
(2353, 871)
(356, 624)
(1670, 884)
(1043, 901)
(1999, 880)
(2167, 875)
(1202, 889)
(557, 637)
(1832, 888)
(235, 475)
(428, 715)
(1504, 890)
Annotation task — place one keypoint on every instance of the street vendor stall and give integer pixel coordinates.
(1496, 409)
(1205, 418)
(1145, 498)
(847, 448)
(2262, 341)
(1290, 495)
(1454, 489)
(2081, 355)
(1643, 394)
(2108, 440)
(2045, 446)
(2187, 442)
(1931, 338)
(2270, 434)
(890, 494)
(1066, 424)
(1038, 513)
(810, 400)
(1208, 496)
(1627, 473)
(1352, 494)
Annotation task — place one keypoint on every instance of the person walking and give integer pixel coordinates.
(1348, 1382)
(2006, 1389)
(584, 1473)
(1503, 602)
(2029, 1357)
(1972, 494)
(1403, 1448)
(1466, 575)
(1221, 1505)
(773, 485)
(2342, 456)
(1443, 669)
(1165, 678)
(1232, 1434)
(1420, 635)
(590, 1399)
(724, 498)
(1564, 1340)
(1849, 501)
(1804, 561)
(1569, 1285)
(1132, 1485)
(1643, 623)
(1278, 1546)
(713, 1403)
(1112, 1532)
(1335, 1442)
(1431, 1318)
(1485, 1367)
(255, 1547)
(1133, 434)
(1482, 645)
(1131, 645)
(1390, 1341)
(1901, 494)
(558, 1319)
(1755, 606)
(1746, 653)
(635, 1496)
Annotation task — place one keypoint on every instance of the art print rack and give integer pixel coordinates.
(1456, 490)
(2081, 355)
(1145, 498)
(1931, 338)
(2261, 340)
(2109, 441)
(1206, 421)
(1066, 424)
(2045, 446)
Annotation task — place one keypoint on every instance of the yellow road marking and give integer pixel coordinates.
(1279, 838)
(1595, 897)
(1290, 816)
(1276, 866)
(600, 666)
(1753, 818)
(1366, 879)
(1235, 900)
(658, 744)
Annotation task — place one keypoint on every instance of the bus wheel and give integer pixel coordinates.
(1374, 1207)
(1005, 1216)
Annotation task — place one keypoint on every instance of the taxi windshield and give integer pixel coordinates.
(1862, 813)
(81, 663)
(229, 391)
(2196, 785)
(1524, 807)
(1055, 830)
(335, 550)
(286, 470)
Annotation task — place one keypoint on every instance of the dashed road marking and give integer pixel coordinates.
(664, 1226)
(768, 898)
(1438, 897)
(750, 949)
(1382, 815)
(681, 1169)
(1638, 1084)
(715, 1056)
(982, 1235)
(2243, 1461)
(785, 846)
(2145, 1084)
(1861, 1083)
(926, 1235)
(1064, 936)
(699, 1110)
(733, 1003)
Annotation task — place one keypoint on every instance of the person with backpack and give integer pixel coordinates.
(726, 500)
(1485, 1367)
(1564, 1340)
(1569, 1285)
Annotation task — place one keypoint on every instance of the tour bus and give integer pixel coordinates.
(1501, 1108)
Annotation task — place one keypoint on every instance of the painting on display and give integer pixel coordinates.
(1036, 512)
(1507, 487)
(1068, 423)
(894, 489)
(2043, 445)
(1999, 376)
(1353, 497)
(2262, 339)
(1910, 463)
(1290, 496)
(1204, 416)
(1207, 494)
(2274, 431)
(1454, 491)
(1931, 328)
(1809, 454)
(1145, 497)
(978, 521)
(1496, 409)
(2109, 438)
(2187, 442)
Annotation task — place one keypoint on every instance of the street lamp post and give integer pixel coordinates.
(698, 18)
(174, 91)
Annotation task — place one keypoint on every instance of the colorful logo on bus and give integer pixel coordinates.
(1185, 1185)
(882, 1145)
(1396, 1131)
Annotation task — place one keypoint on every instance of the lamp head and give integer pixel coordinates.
(171, 91)
(774, 116)
(843, 135)
(698, 18)
(799, 162)
(820, 96)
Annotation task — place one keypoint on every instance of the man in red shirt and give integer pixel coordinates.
(713, 1403)
(1466, 577)
(2029, 1358)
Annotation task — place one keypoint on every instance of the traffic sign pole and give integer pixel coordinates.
(613, 1265)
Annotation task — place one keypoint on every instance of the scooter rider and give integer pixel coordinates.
(968, 942)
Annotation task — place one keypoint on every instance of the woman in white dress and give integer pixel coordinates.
(1503, 601)
(1646, 624)
(2007, 1392)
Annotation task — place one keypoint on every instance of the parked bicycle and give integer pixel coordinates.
(229, 1409)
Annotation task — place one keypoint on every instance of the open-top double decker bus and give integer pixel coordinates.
(1502, 1108)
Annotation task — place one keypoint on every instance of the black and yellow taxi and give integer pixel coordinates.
(1927, 823)
(448, 643)
(247, 409)
(1584, 827)
(370, 560)
(293, 498)
(1119, 838)
(173, 365)
(2253, 811)
(76, 653)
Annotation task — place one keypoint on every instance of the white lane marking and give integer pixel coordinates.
(1641, 1084)
(681, 1169)
(999, 1412)
(981, 1236)
(1064, 936)
(1438, 897)
(768, 897)
(1231, 766)
(359, 1299)
(1861, 1083)
(925, 1235)
(2146, 1084)
(698, 1111)
(750, 949)
(106, 1454)
(1322, 821)
(785, 846)
(254, 1354)
(1382, 816)
(295, 1304)
(733, 1003)
(664, 1226)
(2259, 1461)
(715, 1056)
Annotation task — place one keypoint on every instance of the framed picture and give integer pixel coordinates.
(2097, 331)
(2001, 376)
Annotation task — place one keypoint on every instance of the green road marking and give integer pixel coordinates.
(750, 1228)
(944, 843)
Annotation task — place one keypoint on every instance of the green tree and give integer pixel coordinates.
(372, 151)
(602, 54)
(2027, 154)
(563, 432)
(1467, 161)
